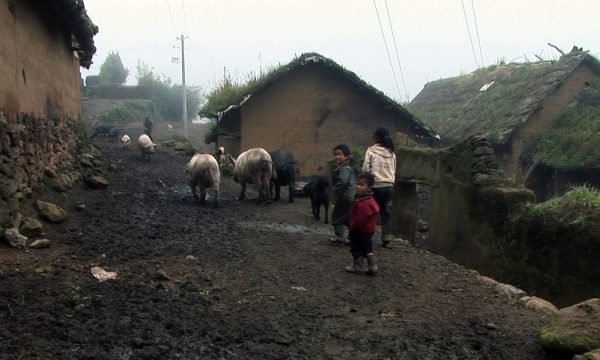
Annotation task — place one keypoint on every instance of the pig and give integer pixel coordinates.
(254, 166)
(203, 170)
(146, 146)
(318, 191)
(125, 140)
(286, 169)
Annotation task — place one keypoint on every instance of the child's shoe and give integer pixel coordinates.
(357, 266)
(386, 241)
(339, 241)
(371, 264)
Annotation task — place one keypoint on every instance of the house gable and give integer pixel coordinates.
(311, 110)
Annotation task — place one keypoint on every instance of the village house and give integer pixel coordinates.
(42, 46)
(536, 115)
(309, 106)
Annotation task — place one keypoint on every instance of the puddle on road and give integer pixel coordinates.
(286, 228)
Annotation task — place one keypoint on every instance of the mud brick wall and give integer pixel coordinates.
(39, 101)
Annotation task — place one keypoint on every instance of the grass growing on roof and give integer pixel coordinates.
(231, 91)
(572, 142)
(456, 108)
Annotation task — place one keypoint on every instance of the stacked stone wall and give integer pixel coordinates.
(30, 148)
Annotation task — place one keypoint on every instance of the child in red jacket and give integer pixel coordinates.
(363, 222)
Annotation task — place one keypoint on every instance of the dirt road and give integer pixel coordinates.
(238, 282)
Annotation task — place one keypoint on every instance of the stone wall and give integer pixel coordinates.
(30, 148)
(481, 219)
(469, 200)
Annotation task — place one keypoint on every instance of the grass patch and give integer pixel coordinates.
(580, 204)
(572, 142)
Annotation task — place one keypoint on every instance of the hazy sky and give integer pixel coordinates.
(432, 40)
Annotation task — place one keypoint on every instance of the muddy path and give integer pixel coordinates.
(238, 282)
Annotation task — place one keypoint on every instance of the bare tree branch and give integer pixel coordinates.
(557, 49)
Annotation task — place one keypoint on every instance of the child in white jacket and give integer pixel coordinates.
(380, 161)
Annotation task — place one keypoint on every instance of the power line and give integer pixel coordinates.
(387, 50)
(396, 47)
(184, 21)
(469, 31)
(477, 32)
(171, 16)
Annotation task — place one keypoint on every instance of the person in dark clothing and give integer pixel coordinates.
(343, 193)
(363, 222)
(148, 127)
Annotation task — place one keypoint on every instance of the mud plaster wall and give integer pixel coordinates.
(309, 112)
(543, 118)
(39, 103)
(468, 208)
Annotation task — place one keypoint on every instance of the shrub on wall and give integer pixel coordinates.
(129, 111)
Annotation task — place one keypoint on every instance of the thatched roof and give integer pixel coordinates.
(72, 18)
(572, 142)
(218, 108)
(496, 100)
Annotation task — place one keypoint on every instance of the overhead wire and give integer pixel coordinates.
(396, 48)
(469, 31)
(171, 16)
(387, 50)
(477, 31)
(184, 19)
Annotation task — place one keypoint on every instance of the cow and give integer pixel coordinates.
(101, 129)
(286, 169)
(203, 170)
(113, 134)
(125, 140)
(318, 191)
(146, 146)
(254, 166)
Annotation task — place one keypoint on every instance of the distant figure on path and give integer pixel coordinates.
(148, 127)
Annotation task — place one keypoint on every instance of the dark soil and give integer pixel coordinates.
(244, 282)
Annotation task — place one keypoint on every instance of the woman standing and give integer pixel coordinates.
(380, 161)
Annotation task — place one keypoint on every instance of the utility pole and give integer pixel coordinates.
(183, 89)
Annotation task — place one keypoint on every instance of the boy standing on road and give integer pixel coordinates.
(343, 182)
(363, 222)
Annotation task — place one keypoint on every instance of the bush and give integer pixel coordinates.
(129, 111)
(166, 96)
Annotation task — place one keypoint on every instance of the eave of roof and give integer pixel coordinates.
(75, 21)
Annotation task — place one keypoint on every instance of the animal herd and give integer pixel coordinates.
(267, 171)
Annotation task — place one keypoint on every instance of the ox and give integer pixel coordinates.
(204, 173)
(254, 166)
(146, 146)
(285, 168)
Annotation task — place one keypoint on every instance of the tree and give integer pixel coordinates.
(167, 96)
(112, 70)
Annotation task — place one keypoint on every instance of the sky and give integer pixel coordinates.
(426, 39)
